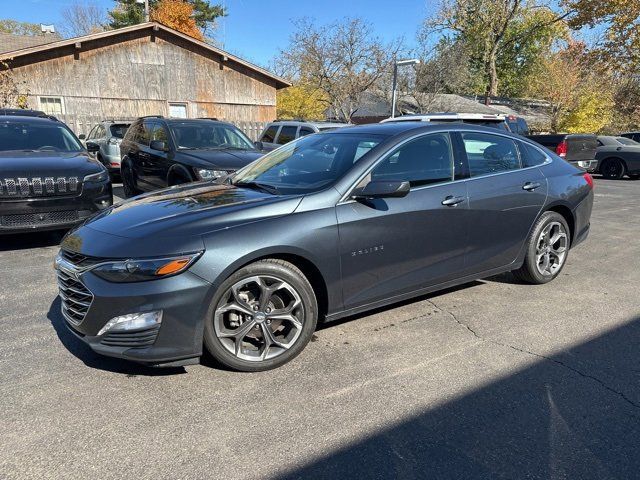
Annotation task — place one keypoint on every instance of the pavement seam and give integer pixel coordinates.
(538, 355)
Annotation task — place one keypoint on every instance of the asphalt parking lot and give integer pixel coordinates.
(491, 380)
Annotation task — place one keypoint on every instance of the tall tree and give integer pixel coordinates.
(177, 14)
(342, 60)
(13, 93)
(620, 44)
(19, 28)
(129, 12)
(492, 27)
(82, 19)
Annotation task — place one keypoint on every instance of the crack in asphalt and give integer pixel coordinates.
(538, 355)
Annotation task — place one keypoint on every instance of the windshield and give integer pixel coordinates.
(209, 135)
(308, 164)
(37, 136)
(118, 129)
(627, 141)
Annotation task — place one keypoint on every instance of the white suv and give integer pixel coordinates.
(483, 119)
(283, 131)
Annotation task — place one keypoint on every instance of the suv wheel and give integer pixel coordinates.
(261, 317)
(128, 181)
(613, 169)
(547, 250)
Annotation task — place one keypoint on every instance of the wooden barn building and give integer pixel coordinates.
(146, 69)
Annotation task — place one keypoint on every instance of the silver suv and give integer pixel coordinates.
(283, 131)
(107, 136)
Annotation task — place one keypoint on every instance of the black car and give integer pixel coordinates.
(326, 226)
(47, 179)
(617, 157)
(158, 152)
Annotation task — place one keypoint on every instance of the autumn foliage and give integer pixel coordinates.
(177, 14)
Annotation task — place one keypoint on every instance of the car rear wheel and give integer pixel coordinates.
(547, 249)
(261, 317)
(613, 169)
(128, 181)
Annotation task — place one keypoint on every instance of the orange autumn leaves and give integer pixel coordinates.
(177, 14)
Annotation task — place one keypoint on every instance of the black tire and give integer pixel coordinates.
(529, 272)
(613, 169)
(633, 176)
(128, 181)
(273, 268)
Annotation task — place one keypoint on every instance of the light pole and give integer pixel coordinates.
(394, 93)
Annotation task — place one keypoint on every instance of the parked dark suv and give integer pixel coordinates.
(158, 152)
(48, 180)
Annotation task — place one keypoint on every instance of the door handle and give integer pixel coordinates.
(451, 201)
(530, 186)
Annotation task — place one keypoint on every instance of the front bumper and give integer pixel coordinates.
(19, 215)
(183, 299)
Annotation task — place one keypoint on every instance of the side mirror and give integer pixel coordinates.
(93, 147)
(158, 145)
(259, 145)
(383, 189)
(82, 136)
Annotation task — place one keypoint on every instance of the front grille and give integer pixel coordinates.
(39, 219)
(76, 298)
(80, 260)
(142, 338)
(38, 186)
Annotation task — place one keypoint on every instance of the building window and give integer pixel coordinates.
(51, 105)
(178, 110)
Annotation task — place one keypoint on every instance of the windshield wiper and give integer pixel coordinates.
(265, 187)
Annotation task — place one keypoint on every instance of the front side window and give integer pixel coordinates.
(424, 161)
(209, 136)
(490, 153)
(41, 136)
(92, 133)
(159, 133)
(308, 164)
(305, 131)
(287, 133)
(270, 134)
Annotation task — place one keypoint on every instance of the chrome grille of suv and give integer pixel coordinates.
(37, 186)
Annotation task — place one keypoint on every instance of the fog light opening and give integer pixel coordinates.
(132, 321)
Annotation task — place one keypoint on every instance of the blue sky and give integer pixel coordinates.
(258, 29)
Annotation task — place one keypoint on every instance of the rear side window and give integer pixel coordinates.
(270, 135)
(490, 153)
(424, 161)
(287, 133)
(118, 130)
(531, 156)
(133, 132)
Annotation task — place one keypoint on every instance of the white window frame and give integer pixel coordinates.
(181, 104)
(54, 97)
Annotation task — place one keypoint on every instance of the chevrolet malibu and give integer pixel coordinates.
(324, 227)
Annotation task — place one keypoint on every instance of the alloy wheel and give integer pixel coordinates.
(259, 318)
(551, 249)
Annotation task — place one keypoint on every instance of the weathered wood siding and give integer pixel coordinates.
(141, 75)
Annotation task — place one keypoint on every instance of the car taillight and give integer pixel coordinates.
(561, 149)
(589, 179)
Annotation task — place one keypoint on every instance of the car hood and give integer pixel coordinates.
(221, 159)
(45, 164)
(178, 215)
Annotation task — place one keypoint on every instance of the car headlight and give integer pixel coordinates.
(132, 321)
(145, 269)
(206, 174)
(97, 177)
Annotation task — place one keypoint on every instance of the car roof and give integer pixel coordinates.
(398, 128)
(446, 116)
(28, 119)
(315, 124)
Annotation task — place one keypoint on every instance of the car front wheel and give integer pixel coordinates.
(261, 317)
(547, 249)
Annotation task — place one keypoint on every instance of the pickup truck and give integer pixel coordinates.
(577, 149)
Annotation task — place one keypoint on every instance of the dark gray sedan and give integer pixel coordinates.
(322, 228)
(617, 157)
